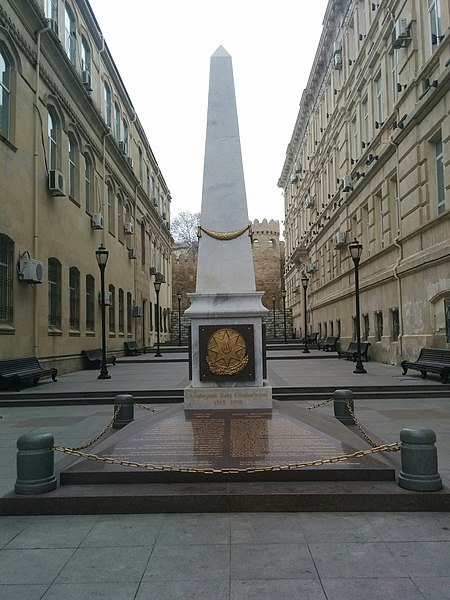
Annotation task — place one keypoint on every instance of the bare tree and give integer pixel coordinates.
(184, 228)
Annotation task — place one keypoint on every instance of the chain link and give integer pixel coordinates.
(99, 435)
(153, 410)
(320, 403)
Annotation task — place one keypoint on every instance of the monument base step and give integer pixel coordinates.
(350, 496)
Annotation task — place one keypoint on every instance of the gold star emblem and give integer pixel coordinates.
(226, 352)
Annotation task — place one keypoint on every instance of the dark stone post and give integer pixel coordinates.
(341, 412)
(35, 464)
(124, 403)
(419, 460)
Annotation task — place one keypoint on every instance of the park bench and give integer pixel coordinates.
(132, 349)
(311, 339)
(17, 372)
(328, 344)
(434, 360)
(352, 351)
(93, 358)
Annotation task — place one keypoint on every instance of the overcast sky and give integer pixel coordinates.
(162, 49)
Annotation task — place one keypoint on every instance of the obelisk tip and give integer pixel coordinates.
(220, 52)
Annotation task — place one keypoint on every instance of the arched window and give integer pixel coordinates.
(116, 122)
(54, 293)
(53, 138)
(90, 303)
(6, 279)
(129, 312)
(120, 227)
(74, 298)
(5, 94)
(85, 59)
(73, 166)
(70, 38)
(107, 104)
(121, 311)
(88, 183)
(112, 309)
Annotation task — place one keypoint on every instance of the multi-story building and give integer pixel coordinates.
(369, 158)
(76, 171)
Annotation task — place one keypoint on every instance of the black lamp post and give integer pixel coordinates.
(273, 314)
(159, 279)
(179, 296)
(283, 295)
(355, 250)
(102, 258)
(305, 282)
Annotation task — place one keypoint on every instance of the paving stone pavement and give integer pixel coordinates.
(232, 556)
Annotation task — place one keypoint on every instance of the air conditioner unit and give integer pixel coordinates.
(400, 33)
(30, 270)
(129, 161)
(53, 24)
(97, 221)
(152, 270)
(337, 47)
(122, 147)
(155, 202)
(56, 183)
(137, 311)
(293, 178)
(337, 60)
(132, 253)
(128, 228)
(86, 80)
(164, 216)
(108, 298)
(347, 184)
(309, 202)
(310, 268)
(340, 239)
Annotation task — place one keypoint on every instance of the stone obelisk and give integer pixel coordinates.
(226, 310)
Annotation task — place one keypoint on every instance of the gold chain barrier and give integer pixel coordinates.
(78, 451)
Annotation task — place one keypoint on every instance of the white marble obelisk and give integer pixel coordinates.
(226, 311)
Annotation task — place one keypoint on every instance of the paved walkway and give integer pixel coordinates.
(275, 556)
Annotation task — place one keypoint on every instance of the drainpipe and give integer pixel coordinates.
(397, 241)
(138, 184)
(37, 126)
(105, 135)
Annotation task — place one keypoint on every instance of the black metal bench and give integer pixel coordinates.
(352, 351)
(434, 360)
(17, 372)
(311, 339)
(93, 358)
(132, 349)
(329, 344)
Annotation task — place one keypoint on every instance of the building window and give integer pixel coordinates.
(107, 104)
(129, 312)
(395, 324)
(53, 133)
(440, 186)
(5, 94)
(356, 144)
(85, 57)
(378, 326)
(73, 166)
(434, 9)
(111, 215)
(120, 225)
(394, 76)
(125, 136)
(366, 125)
(338, 328)
(54, 293)
(112, 309)
(90, 303)
(116, 122)
(51, 9)
(6, 279)
(140, 165)
(121, 311)
(379, 99)
(88, 171)
(151, 316)
(70, 39)
(74, 298)
(366, 329)
(447, 318)
(143, 243)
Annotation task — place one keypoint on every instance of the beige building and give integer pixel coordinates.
(76, 171)
(369, 158)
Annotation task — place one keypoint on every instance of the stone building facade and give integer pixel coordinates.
(369, 158)
(77, 171)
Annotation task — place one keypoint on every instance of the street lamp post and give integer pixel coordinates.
(102, 258)
(179, 296)
(274, 318)
(283, 295)
(355, 250)
(159, 279)
(305, 282)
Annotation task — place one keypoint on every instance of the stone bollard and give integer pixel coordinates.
(125, 404)
(341, 412)
(419, 460)
(35, 464)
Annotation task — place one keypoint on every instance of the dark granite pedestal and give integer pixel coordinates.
(232, 446)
